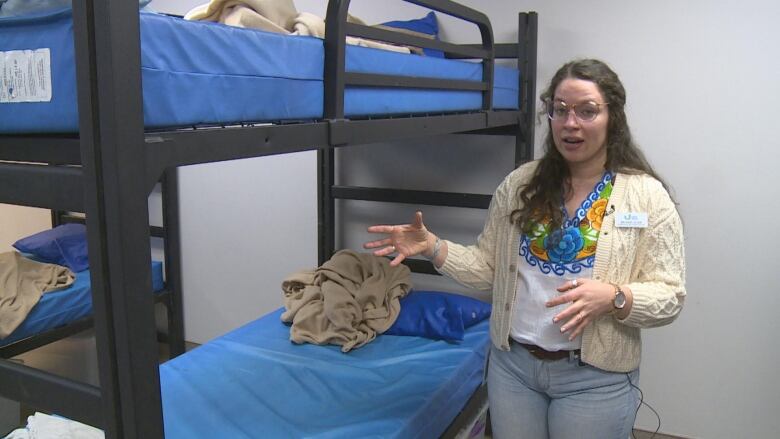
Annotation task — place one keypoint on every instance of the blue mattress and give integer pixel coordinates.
(253, 382)
(64, 306)
(199, 73)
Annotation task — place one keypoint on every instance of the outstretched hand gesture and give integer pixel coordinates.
(404, 239)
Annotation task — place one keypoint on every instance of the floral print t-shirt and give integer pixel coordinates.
(548, 258)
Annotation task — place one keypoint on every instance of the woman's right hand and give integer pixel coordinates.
(404, 239)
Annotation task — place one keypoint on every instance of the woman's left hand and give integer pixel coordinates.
(589, 299)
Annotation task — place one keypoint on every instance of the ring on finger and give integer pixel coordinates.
(574, 283)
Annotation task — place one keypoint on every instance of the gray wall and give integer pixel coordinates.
(246, 224)
(19, 221)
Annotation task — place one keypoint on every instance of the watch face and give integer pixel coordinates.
(620, 300)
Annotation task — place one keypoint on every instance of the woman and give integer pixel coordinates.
(581, 249)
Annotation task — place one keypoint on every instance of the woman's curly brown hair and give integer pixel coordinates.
(542, 196)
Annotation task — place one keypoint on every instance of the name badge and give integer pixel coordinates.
(631, 219)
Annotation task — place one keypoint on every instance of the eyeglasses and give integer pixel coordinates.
(584, 111)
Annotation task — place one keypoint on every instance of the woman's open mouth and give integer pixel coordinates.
(571, 143)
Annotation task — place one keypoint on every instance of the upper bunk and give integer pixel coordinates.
(182, 92)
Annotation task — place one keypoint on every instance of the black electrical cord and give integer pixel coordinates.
(642, 401)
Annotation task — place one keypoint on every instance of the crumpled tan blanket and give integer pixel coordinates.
(346, 301)
(279, 16)
(22, 283)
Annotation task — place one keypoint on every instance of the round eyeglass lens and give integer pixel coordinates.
(586, 111)
(557, 110)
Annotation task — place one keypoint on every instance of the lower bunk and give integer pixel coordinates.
(65, 312)
(254, 383)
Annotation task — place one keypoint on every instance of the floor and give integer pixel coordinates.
(638, 434)
(641, 434)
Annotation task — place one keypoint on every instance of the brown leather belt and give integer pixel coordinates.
(541, 354)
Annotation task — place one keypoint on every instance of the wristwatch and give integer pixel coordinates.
(620, 297)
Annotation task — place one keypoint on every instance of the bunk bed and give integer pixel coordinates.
(66, 312)
(117, 157)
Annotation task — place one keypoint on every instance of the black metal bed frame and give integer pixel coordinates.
(119, 164)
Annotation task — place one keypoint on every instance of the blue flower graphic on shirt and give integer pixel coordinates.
(563, 245)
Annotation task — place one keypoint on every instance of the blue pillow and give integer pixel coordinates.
(437, 315)
(63, 245)
(426, 25)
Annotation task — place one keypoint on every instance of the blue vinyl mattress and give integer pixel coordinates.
(199, 73)
(253, 382)
(68, 305)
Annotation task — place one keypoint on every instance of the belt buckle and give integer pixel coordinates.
(535, 351)
(539, 353)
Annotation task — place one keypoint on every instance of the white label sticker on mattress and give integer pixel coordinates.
(25, 76)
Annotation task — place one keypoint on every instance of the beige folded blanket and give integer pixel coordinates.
(346, 301)
(22, 283)
(279, 16)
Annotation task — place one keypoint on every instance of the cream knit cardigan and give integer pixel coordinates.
(650, 261)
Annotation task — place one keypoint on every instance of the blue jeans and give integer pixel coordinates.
(562, 399)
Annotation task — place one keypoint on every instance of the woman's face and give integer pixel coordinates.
(580, 142)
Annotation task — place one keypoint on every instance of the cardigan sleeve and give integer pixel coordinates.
(474, 265)
(658, 280)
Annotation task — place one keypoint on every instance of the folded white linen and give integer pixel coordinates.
(43, 426)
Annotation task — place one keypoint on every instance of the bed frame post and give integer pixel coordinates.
(526, 63)
(333, 112)
(107, 42)
(173, 279)
(488, 66)
(55, 217)
(326, 207)
(335, 53)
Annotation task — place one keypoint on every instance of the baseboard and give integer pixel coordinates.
(644, 434)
